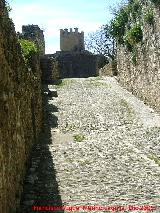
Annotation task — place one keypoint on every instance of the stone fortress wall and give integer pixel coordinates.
(71, 41)
(143, 78)
(50, 68)
(74, 60)
(35, 34)
(21, 94)
(77, 64)
(20, 113)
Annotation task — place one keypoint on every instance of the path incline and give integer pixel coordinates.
(101, 146)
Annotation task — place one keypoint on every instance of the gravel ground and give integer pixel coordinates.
(100, 147)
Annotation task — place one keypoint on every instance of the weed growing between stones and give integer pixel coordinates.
(70, 127)
(64, 83)
(149, 16)
(127, 110)
(125, 104)
(96, 83)
(79, 137)
(155, 158)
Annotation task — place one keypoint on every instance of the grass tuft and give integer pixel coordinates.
(79, 137)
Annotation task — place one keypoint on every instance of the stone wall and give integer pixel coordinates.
(35, 34)
(20, 113)
(110, 69)
(77, 64)
(68, 64)
(143, 78)
(71, 41)
(50, 68)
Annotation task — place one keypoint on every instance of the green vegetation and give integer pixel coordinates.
(128, 109)
(157, 2)
(134, 56)
(126, 15)
(135, 10)
(155, 158)
(98, 78)
(117, 27)
(127, 25)
(134, 35)
(96, 82)
(28, 49)
(149, 17)
(61, 84)
(64, 83)
(124, 104)
(79, 137)
(70, 127)
(8, 7)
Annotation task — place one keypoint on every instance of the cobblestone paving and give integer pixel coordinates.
(103, 150)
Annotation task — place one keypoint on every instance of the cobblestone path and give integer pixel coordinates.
(100, 146)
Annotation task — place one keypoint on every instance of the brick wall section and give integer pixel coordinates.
(143, 79)
(20, 113)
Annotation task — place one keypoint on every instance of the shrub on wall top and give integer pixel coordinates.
(134, 35)
(149, 17)
(28, 49)
(117, 27)
(126, 15)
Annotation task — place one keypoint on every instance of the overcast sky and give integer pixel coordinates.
(52, 15)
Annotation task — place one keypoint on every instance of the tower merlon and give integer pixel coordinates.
(76, 30)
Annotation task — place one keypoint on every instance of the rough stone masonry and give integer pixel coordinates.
(73, 60)
(20, 113)
(143, 78)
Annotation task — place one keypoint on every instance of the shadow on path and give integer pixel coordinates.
(40, 186)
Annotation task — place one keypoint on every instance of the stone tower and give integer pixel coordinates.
(71, 41)
(35, 34)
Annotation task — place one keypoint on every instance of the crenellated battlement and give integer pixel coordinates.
(70, 31)
(71, 40)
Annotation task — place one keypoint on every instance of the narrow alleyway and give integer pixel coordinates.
(100, 146)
